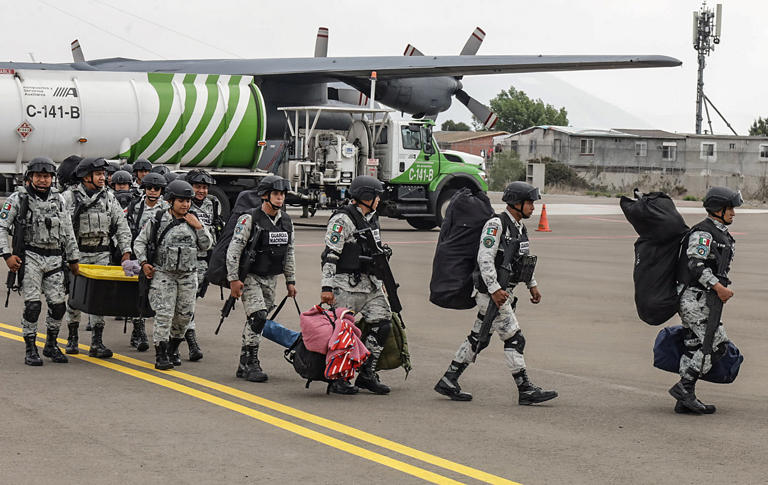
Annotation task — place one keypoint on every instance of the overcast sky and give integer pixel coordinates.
(735, 79)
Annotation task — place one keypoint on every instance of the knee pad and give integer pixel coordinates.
(515, 342)
(474, 341)
(257, 320)
(57, 310)
(32, 310)
(380, 330)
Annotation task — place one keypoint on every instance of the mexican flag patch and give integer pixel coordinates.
(491, 231)
(7, 206)
(704, 241)
(337, 228)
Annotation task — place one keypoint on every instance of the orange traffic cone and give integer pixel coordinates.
(543, 221)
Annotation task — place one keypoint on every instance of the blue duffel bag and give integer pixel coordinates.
(669, 347)
(278, 333)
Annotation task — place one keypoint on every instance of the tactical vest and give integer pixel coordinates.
(43, 218)
(721, 246)
(511, 239)
(273, 245)
(350, 259)
(91, 218)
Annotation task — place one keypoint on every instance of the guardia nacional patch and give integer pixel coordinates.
(489, 242)
(701, 250)
(335, 238)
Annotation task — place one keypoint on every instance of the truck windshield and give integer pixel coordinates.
(411, 139)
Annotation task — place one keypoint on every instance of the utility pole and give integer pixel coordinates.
(706, 34)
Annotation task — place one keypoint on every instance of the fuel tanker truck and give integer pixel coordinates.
(219, 122)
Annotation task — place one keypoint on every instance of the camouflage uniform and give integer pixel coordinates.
(360, 292)
(93, 229)
(138, 213)
(494, 243)
(505, 324)
(174, 285)
(693, 303)
(258, 291)
(204, 212)
(49, 230)
(356, 289)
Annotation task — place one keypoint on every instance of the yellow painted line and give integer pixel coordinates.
(266, 418)
(316, 420)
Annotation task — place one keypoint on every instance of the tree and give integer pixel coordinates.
(759, 127)
(506, 168)
(516, 111)
(451, 125)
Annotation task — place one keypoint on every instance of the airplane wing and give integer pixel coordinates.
(319, 69)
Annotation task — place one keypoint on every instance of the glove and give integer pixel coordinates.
(131, 267)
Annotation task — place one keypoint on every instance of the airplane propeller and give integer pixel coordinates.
(478, 109)
(321, 43)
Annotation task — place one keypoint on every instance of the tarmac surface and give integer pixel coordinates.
(113, 420)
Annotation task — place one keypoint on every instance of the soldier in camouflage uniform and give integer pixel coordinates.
(141, 210)
(140, 169)
(96, 218)
(206, 208)
(349, 283)
(48, 232)
(121, 184)
(178, 236)
(704, 269)
(274, 255)
(504, 232)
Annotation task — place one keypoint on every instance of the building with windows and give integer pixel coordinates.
(474, 142)
(623, 157)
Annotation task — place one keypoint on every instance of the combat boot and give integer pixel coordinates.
(448, 385)
(72, 339)
(173, 351)
(529, 393)
(161, 357)
(681, 409)
(139, 336)
(253, 372)
(369, 379)
(32, 357)
(685, 393)
(195, 353)
(51, 349)
(243, 360)
(341, 386)
(98, 349)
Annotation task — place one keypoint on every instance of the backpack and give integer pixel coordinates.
(217, 265)
(455, 258)
(661, 230)
(309, 365)
(395, 353)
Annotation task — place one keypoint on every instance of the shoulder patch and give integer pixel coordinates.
(338, 228)
(704, 241)
(701, 250)
(7, 206)
(335, 238)
(491, 231)
(489, 241)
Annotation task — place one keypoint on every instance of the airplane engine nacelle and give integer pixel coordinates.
(417, 96)
(189, 119)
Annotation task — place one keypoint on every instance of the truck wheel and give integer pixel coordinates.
(224, 206)
(422, 224)
(442, 204)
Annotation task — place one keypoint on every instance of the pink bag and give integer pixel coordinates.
(317, 326)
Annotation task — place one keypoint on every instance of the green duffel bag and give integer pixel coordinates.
(395, 353)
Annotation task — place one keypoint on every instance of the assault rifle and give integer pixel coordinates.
(379, 261)
(15, 280)
(242, 271)
(715, 305)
